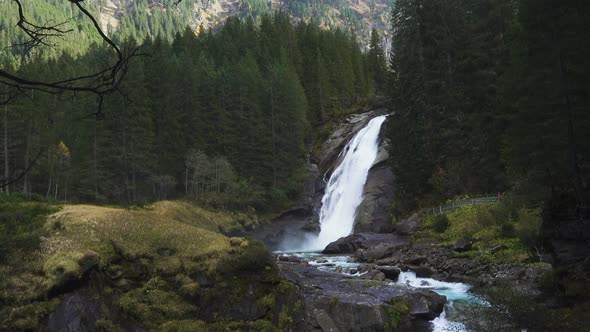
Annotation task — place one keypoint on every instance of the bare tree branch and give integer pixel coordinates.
(100, 83)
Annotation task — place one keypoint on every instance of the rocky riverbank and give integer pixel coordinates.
(337, 302)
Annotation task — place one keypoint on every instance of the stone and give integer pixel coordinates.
(350, 244)
(338, 269)
(354, 271)
(391, 273)
(422, 271)
(77, 312)
(379, 276)
(325, 321)
(407, 226)
(462, 245)
(336, 302)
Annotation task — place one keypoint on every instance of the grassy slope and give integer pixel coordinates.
(154, 254)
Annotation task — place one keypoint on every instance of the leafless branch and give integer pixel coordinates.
(100, 83)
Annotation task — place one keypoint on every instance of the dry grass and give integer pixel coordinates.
(177, 234)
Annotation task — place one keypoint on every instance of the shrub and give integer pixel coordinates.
(440, 223)
(528, 228)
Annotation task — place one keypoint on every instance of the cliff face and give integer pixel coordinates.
(359, 15)
(373, 213)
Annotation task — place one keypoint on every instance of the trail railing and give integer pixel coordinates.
(464, 202)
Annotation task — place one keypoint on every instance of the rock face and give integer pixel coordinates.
(75, 313)
(373, 214)
(335, 302)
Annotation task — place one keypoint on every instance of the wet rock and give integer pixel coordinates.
(321, 261)
(353, 271)
(391, 273)
(338, 269)
(292, 259)
(342, 303)
(422, 271)
(351, 243)
(424, 283)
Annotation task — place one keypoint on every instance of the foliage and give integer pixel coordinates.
(501, 232)
(21, 223)
(222, 118)
(489, 96)
(397, 312)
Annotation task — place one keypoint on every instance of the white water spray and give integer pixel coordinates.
(344, 192)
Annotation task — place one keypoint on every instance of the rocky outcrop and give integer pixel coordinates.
(373, 214)
(366, 243)
(335, 302)
(330, 153)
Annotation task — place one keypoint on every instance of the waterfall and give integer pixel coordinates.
(344, 192)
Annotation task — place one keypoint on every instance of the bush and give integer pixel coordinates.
(440, 223)
(528, 228)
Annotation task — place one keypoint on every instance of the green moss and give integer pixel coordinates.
(29, 316)
(187, 286)
(397, 312)
(153, 304)
(105, 325)
(21, 223)
(285, 319)
(257, 325)
(252, 256)
(184, 326)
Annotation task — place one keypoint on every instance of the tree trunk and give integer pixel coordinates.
(6, 163)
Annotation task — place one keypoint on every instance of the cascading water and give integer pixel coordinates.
(344, 192)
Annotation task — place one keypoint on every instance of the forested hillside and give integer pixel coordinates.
(490, 96)
(220, 117)
(164, 18)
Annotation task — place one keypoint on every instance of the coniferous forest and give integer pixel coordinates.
(490, 96)
(226, 117)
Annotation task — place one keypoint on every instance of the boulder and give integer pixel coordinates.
(407, 226)
(462, 245)
(351, 243)
(391, 273)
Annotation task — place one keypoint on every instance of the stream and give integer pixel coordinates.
(454, 291)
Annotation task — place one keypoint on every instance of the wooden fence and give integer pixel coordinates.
(464, 202)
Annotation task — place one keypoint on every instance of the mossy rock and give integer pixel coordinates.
(184, 326)
(154, 304)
